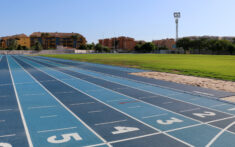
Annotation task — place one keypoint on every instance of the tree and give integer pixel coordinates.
(38, 46)
(44, 36)
(98, 48)
(138, 48)
(148, 47)
(231, 48)
(83, 46)
(185, 43)
(19, 47)
(13, 44)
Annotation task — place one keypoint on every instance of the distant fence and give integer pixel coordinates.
(30, 52)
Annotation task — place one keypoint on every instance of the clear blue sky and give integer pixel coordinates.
(141, 19)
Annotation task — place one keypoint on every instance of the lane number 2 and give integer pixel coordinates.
(5, 144)
(120, 130)
(169, 122)
(203, 115)
(65, 138)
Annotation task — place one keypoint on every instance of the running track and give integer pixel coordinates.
(47, 102)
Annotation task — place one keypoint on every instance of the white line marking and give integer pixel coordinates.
(76, 104)
(97, 111)
(112, 122)
(53, 130)
(154, 115)
(218, 105)
(189, 110)
(232, 109)
(173, 94)
(80, 120)
(133, 107)
(4, 96)
(116, 100)
(3, 110)
(64, 92)
(145, 97)
(33, 94)
(48, 116)
(10, 135)
(116, 108)
(204, 93)
(20, 108)
(219, 134)
(41, 107)
(167, 102)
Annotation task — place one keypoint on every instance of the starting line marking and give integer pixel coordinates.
(218, 105)
(10, 135)
(41, 107)
(190, 110)
(97, 111)
(44, 131)
(48, 116)
(154, 115)
(82, 103)
(133, 107)
(112, 122)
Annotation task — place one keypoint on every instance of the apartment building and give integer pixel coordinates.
(52, 40)
(168, 43)
(122, 42)
(21, 39)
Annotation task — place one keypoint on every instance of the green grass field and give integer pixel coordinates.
(212, 66)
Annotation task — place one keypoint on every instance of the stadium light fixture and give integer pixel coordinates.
(177, 15)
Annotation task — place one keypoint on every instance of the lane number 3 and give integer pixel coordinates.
(65, 138)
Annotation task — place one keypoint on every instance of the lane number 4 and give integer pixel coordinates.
(120, 130)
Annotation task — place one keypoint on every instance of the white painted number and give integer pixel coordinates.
(169, 122)
(121, 130)
(5, 144)
(203, 115)
(66, 138)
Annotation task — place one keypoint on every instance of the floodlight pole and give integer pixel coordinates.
(177, 16)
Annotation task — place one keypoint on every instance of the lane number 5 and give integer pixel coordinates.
(65, 138)
(169, 122)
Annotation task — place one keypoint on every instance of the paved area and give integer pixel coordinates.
(47, 102)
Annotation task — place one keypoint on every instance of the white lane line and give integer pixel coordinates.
(9, 135)
(116, 100)
(133, 107)
(120, 88)
(112, 122)
(204, 93)
(20, 108)
(80, 120)
(118, 109)
(189, 110)
(167, 103)
(41, 107)
(218, 105)
(48, 116)
(54, 130)
(154, 115)
(219, 134)
(232, 109)
(97, 111)
(87, 103)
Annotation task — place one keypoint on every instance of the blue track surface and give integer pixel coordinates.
(54, 102)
